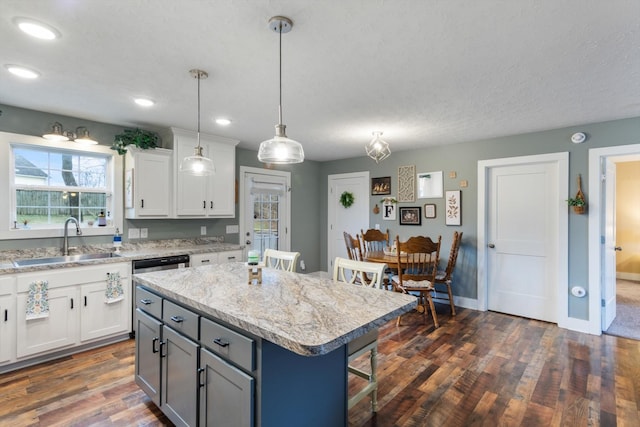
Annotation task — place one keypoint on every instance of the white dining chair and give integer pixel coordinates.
(280, 260)
(370, 274)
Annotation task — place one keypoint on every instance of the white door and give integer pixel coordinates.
(521, 235)
(341, 219)
(608, 250)
(265, 211)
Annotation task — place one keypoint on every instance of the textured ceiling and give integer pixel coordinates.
(425, 72)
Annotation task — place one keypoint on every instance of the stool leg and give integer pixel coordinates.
(374, 378)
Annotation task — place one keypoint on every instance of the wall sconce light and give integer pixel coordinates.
(80, 136)
(377, 149)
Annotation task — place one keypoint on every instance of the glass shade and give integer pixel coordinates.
(377, 149)
(83, 137)
(56, 133)
(197, 164)
(281, 150)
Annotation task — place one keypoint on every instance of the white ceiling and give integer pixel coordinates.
(426, 72)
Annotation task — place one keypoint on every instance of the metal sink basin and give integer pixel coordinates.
(63, 259)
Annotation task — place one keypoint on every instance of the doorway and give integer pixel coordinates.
(612, 313)
(341, 219)
(265, 209)
(522, 236)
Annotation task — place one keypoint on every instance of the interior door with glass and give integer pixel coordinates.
(266, 211)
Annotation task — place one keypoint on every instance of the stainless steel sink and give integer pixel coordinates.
(62, 259)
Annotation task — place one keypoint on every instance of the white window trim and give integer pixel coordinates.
(114, 176)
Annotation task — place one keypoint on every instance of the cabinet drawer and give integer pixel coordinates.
(61, 277)
(149, 302)
(228, 344)
(230, 256)
(180, 319)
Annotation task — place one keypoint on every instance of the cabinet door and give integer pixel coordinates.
(190, 190)
(7, 321)
(99, 318)
(179, 396)
(59, 329)
(148, 338)
(152, 184)
(226, 393)
(222, 189)
(196, 260)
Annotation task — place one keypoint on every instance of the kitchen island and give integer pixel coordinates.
(278, 350)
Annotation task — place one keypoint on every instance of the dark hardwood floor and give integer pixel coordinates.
(478, 368)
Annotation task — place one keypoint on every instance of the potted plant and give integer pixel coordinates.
(579, 204)
(139, 137)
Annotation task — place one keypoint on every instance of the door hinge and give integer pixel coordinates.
(602, 302)
(602, 240)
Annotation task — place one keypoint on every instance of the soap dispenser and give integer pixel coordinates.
(117, 240)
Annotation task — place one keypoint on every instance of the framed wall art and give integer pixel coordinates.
(389, 208)
(453, 214)
(381, 186)
(406, 183)
(429, 211)
(429, 185)
(410, 215)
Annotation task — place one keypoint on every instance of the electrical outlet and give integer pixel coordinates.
(203, 230)
(134, 233)
(144, 233)
(377, 226)
(303, 267)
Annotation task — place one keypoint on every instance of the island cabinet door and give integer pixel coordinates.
(179, 381)
(226, 393)
(148, 339)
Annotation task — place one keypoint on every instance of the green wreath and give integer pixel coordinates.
(347, 199)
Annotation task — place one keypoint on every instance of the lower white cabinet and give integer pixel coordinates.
(197, 260)
(7, 319)
(78, 308)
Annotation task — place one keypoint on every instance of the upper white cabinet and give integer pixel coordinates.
(204, 196)
(147, 183)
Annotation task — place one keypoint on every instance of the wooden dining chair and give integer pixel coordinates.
(446, 277)
(374, 240)
(417, 267)
(353, 246)
(369, 274)
(280, 260)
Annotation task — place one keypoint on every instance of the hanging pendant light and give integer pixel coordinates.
(280, 149)
(198, 164)
(377, 149)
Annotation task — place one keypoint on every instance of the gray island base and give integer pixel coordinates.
(212, 350)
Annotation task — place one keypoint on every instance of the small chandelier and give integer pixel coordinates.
(198, 164)
(377, 149)
(280, 149)
(80, 136)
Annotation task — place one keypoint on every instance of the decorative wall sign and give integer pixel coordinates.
(389, 208)
(406, 183)
(429, 185)
(453, 208)
(381, 186)
(410, 215)
(429, 211)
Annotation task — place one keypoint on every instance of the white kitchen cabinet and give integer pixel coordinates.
(230, 256)
(147, 183)
(197, 260)
(7, 319)
(69, 322)
(204, 196)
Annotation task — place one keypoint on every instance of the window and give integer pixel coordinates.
(50, 182)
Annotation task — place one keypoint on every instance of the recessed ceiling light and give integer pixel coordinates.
(37, 29)
(144, 102)
(223, 122)
(23, 72)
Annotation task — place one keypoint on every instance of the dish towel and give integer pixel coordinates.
(38, 300)
(114, 292)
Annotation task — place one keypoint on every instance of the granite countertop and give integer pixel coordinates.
(305, 314)
(128, 253)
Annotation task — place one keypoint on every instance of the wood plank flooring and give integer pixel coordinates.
(477, 369)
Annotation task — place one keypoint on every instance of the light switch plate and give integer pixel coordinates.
(203, 230)
(231, 229)
(134, 233)
(144, 233)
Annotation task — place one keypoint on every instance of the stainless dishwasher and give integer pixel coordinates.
(148, 265)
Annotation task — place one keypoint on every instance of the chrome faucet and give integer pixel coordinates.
(65, 244)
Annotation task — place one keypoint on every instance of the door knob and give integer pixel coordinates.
(491, 245)
(617, 248)
(248, 242)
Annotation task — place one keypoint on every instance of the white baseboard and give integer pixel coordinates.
(628, 276)
(463, 302)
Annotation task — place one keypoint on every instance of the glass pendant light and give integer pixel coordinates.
(198, 164)
(56, 133)
(377, 149)
(280, 149)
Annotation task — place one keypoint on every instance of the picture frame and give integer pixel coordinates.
(429, 211)
(453, 207)
(430, 185)
(381, 186)
(410, 215)
(389, 209)
(407, 183)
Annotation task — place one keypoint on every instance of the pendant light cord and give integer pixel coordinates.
(280, 82)
(198, 77)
